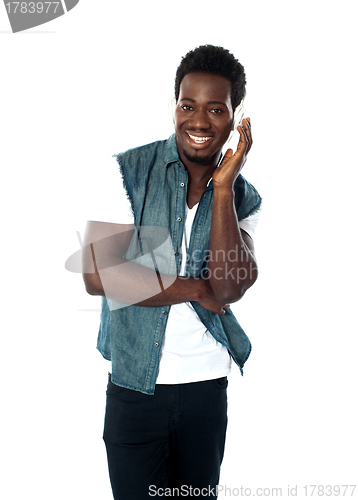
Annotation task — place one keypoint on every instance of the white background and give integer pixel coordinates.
(97, 81)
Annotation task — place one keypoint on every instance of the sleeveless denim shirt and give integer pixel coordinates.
(156, 184)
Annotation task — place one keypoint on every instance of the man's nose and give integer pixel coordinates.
(200, 119)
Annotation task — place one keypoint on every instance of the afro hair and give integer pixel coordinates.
(217, 61)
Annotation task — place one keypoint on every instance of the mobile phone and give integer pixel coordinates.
(234, 136)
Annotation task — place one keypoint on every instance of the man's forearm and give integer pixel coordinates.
(131, 283)
(232, 266)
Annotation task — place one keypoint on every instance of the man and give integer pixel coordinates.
(171, 347)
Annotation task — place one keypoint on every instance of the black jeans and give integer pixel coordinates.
(174, 439)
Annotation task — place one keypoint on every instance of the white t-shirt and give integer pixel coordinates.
(189, 352)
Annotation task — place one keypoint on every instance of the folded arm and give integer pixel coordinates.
(107, 273)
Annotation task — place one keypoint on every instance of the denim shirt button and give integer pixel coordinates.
(165, 312)
(156, 344)
(179, 219)
(182, 184)
(176, 254)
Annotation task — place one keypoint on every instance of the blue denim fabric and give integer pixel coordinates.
(132, 337)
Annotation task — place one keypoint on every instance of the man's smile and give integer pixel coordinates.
(199, 139)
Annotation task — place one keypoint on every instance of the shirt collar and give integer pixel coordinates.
(171, 154)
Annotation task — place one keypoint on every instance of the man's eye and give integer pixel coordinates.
(216, 111)
(185, 107)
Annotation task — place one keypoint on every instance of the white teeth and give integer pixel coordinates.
(199, 140)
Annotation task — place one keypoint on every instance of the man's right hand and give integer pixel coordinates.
(208, 300)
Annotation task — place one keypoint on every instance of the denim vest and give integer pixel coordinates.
(132, 337)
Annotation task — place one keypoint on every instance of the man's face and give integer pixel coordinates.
(203, 117)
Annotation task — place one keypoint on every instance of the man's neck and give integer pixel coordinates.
(200, 174)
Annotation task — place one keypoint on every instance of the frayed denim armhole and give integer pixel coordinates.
(247, 199)
(124, 180)
(256, 208)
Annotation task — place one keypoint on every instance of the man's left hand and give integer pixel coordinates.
(232, 164)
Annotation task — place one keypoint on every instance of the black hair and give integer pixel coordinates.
(217, 61)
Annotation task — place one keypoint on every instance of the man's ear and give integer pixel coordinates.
(172, 106)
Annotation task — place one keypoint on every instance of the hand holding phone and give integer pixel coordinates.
(234, 137)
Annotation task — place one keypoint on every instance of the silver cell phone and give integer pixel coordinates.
(233, 140)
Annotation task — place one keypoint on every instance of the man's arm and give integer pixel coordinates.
(232, 267)
(107, 273)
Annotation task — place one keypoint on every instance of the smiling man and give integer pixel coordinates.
(203, 118)
(171, 349)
